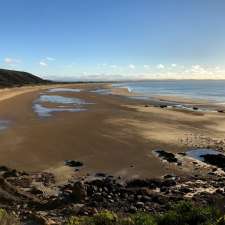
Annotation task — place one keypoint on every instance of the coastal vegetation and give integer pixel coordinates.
(182, 213)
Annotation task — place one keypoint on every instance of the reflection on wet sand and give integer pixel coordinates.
(43, 111)
(60, 99)
(61, 104)
(4, 124)
(53, 90)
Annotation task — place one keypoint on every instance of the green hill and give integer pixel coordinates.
(11, 78)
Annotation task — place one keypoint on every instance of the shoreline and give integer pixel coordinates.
(10, 92)
(169, 99)
(144, 123)
(57, 173)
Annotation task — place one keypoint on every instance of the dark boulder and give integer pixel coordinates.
(73, 163)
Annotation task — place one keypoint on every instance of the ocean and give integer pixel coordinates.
(213, 90)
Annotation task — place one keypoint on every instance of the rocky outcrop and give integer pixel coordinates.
(20, 192)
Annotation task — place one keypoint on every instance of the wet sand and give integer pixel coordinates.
(116, 135)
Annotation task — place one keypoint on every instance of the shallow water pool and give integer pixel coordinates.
(43, 111)
(53, 90)
(201, 152)
(60, 99)
(4, 124)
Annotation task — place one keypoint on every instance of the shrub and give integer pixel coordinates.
(105, 218)
(74, 221)
(143, 219)
(185, 213)
(7, 219)
(221, 221)
(126, 221)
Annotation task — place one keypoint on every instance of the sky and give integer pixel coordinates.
(114, 39)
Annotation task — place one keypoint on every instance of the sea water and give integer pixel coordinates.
(213, 90)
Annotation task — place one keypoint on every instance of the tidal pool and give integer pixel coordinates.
(209, 156)
(53, 90)
(60, 99)
(102, 91)
(43, 111)
(61, 104)
(4, 124)
(201, 152)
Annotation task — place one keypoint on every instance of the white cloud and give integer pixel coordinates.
(217, 68)
(11, 61)
(102, 65)
(146, 66)
(173, 65)
(198, 69)
(50, 59)
(42, 63)
(160, 66)
(131, 66)
(113, 66)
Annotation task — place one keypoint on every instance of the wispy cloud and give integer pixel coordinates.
(160, 66)
(131, 66)
(113, 66)
(146, 66)
(11, 61)
(42, 63)
(50, 59)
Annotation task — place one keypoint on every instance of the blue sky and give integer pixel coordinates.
(114, 39)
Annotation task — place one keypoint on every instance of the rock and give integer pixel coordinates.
(164, 189)
(145, 198)
(100, 175)
(195, 108)
(211, 173)
(73, 163)
(79, 192)
(35, 191)
(184, 190)
(169, 176)
(10, 173)
(132, 209)
(149, 183)
(77, 208)
(168, 183)
(140, 204)
(163, 106)
(215, 160)
(169, 157)
(220, 111)
(4, 169)
(181, 153)
(41, 220)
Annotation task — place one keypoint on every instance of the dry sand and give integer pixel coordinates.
(116, 135)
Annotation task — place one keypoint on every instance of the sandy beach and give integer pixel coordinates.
(115, 135)
(77, 149)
